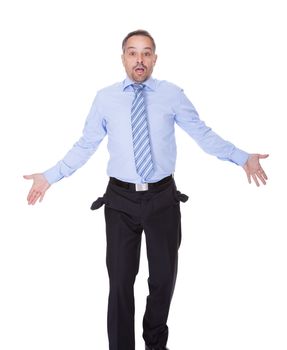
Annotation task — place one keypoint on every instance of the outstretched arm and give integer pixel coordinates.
(254, 170)
(38, 189)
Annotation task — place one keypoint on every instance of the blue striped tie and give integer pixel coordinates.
(141, 142)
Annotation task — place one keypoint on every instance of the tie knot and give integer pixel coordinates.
(137, 87)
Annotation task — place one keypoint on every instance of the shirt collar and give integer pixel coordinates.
(149, 84)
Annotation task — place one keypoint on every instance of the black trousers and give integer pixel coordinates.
(128, 213)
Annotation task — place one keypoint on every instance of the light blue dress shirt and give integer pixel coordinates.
(110, 115)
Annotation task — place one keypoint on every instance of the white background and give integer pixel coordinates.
(230, 58)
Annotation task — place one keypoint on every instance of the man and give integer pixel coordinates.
(138, 115)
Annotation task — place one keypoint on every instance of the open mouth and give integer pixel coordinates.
(139, 70)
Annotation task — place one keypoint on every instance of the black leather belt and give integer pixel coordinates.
(139, 187)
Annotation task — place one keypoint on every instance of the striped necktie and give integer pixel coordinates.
(140, 133)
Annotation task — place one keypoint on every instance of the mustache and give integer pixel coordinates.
(140, 65)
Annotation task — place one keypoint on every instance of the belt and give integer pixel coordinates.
(139, 187)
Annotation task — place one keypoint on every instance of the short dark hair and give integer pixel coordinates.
(138, 32)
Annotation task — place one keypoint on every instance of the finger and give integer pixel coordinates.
(248, 177)
(263, 156)
(42, 197)
(30, 194)
(255, 180)
(31, 197)
(262, 173)
(35, 198)
(28, 177)
(261, 178)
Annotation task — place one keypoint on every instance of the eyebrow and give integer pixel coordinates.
(145, 48)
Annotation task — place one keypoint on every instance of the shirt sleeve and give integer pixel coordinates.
(93, 133)
(188, 119)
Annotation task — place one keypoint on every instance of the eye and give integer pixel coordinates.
(147, 54)
(132, 53)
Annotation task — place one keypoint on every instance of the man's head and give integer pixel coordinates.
(138, 55)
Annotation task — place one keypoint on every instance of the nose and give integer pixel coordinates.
(140, 58)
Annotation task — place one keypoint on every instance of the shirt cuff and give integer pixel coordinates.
(239, 157)
(53, 174)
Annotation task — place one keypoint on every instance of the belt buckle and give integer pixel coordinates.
(142, 187)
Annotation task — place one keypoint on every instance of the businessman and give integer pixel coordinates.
(139, 115)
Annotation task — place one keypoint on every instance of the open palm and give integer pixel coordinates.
(38, 189)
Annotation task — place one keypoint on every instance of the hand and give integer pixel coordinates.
(38, 189)
(254, 170)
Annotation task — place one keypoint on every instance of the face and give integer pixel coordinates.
(139, 58)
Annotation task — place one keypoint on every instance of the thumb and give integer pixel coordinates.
(28, 177)
(263, 156)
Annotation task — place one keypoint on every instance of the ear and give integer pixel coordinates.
(123, 59)
(155, 59)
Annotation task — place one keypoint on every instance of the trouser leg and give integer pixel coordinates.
(163, 235)
(123, 254)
